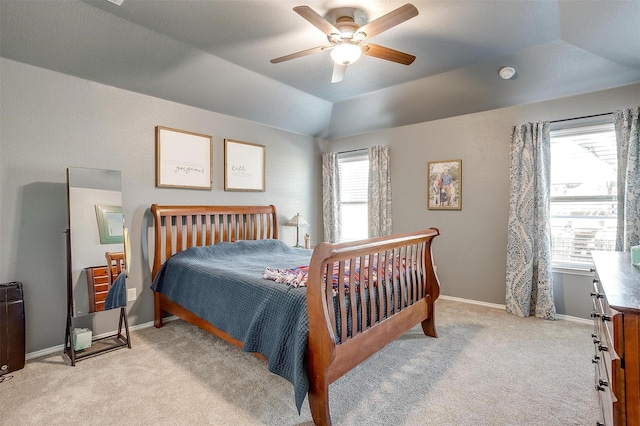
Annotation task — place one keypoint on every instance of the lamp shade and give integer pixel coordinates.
(345, 54)
(297, 221)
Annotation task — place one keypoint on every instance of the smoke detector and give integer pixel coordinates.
(507, 73)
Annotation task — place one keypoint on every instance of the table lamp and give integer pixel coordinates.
(297, 221)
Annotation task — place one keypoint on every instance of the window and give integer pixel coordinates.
(354, 182)
(583, 194)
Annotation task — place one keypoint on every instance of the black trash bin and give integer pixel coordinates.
(12, 336)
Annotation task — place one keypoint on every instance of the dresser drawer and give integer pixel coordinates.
(101, 288)
(607, 333)
(601, 357)
(101, 279)
(603, 378)
(99, 270)
(604, 318)
(101, 297)
(606, 409)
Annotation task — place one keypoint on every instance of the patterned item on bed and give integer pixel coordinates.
(223, 285)
(297, 277)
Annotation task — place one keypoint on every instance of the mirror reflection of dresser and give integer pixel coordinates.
(98, 284)
(96, 262)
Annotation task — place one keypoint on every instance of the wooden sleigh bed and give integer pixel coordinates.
(399, 291)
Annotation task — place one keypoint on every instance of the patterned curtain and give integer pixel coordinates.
(627, 126)
(379, 198)
(529, 279)
(331, 197)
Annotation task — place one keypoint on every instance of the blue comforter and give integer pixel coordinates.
(223, 284)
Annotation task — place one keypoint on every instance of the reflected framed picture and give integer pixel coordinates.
(244, 166)
(110, 224)
(183, 159)
(444, 185)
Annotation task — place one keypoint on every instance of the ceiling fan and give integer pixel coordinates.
(348, 40)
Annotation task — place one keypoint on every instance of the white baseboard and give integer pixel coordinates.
(503, 307)
(60, 348)
(473, 302)
(574, 319)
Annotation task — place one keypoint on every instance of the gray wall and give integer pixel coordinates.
(50, 121)
(471, 252)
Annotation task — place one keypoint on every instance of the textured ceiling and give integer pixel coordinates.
(215, 55)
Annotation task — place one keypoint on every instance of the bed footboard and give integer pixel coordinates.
(360, 297)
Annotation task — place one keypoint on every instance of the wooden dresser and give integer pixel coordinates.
(616, 337)
(98, 286)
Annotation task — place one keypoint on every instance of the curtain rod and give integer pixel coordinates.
(580, 118)
(353, 150)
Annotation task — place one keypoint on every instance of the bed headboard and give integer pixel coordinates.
(177, 228)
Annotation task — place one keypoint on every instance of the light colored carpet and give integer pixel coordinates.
(486, 368)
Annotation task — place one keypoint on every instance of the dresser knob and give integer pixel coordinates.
(595, 359)
(606, 318)
(596, 295)
(596, 341)
(595, 314)
(596, 281)
(599, 423)
(600, 388)
(603, 348)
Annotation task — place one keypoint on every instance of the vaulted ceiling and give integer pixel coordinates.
(216, 55)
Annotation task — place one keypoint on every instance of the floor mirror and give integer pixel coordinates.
(97, 260)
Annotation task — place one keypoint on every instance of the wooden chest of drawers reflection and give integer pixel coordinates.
(98, 286)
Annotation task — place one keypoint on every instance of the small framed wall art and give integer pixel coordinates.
(183, 159)
(444, 185)
(110, 224)
(244, 166)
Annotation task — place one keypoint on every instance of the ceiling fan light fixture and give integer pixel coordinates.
(345, 54)
(334, 38)
(358, 36)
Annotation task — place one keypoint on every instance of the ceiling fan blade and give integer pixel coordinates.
(391, 19)
(316, 20)
(387, 54)
(298, 54)
(338, 73)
